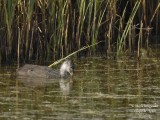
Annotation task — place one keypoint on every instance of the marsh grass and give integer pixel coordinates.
(50, 30)
(122, 41)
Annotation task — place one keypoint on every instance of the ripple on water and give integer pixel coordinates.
(100, 90)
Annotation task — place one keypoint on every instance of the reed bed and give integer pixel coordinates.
(52, 29)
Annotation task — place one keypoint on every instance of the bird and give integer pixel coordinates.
(38, 71)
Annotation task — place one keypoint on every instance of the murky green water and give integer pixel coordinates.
(100, 90)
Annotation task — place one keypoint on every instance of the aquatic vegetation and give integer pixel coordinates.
(49, 30)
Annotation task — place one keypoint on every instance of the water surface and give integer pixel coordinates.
(100, 90)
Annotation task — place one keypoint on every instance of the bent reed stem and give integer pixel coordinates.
(83, 48)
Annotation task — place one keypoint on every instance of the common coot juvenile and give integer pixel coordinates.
(36, 71)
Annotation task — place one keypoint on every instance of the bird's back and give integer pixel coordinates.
(29, 70)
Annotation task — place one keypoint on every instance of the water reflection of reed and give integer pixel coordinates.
(102, 90)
